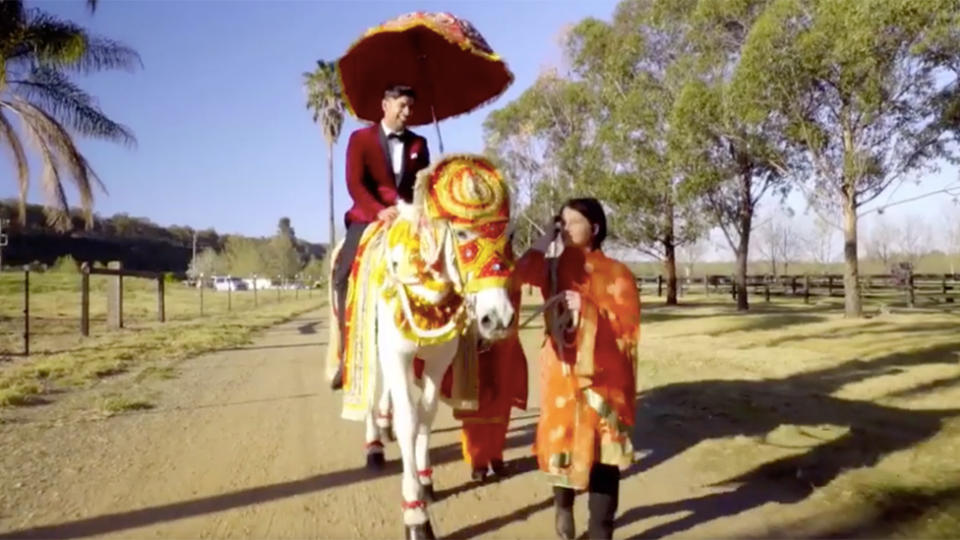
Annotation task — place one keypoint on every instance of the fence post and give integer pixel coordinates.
(254, 290)
(766, 291)
(911, 299)
(793, 285)
(85, 299)
(659, 285)
(201, 294)
(26, 311)
(230, 295)
(706, 285)
(829, 286)
(115, 297)
(161, 291)
(806, 289)
(733, 287)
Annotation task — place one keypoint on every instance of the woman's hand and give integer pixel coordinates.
(572, 300)
(542, 244)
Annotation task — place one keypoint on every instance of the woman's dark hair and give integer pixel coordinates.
(399, 90)
(593, 211)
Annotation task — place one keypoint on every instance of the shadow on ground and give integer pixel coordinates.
(121, 521)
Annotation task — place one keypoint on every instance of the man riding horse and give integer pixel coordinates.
(383, 160)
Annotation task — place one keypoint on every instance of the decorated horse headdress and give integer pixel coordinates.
(469, 193)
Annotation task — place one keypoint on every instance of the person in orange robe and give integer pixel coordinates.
(503, 385)
(502, 381)
(588, 367)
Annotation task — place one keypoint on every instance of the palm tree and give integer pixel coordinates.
(325, 98)
(37, 51)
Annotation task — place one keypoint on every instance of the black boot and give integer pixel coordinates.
(563, 503)
(499, 468)
(604, 496)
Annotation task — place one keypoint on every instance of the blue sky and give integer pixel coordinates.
(218, 110)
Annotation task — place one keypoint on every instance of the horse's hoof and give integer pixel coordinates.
(423, 531)
(427, 493)
(478, 474)
(337, 382)
(375, 461)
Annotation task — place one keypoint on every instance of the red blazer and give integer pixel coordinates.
(370, 178)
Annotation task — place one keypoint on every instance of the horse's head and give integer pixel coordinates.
(469, 194)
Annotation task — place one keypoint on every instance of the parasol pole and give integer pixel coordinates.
(437, 125)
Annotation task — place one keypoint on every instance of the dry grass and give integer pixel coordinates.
(855, 423)
(61, 358)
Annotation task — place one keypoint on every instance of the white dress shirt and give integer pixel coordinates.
(396, 148)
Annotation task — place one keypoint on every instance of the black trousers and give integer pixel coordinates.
(341, 272)
(604, 497)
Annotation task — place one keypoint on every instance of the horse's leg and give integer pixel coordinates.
(436, 361)
(396, 364)
(385, 416)
(398, 371)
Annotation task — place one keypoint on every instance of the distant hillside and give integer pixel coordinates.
(137, 242)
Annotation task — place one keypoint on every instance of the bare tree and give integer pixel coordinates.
(914, 239)
(778, 243)
(882, 240)
(692, 254)
(819, 242)
(952, 222)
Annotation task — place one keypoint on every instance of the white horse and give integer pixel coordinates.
(438, 284)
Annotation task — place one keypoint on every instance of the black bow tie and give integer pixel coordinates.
(398, 136)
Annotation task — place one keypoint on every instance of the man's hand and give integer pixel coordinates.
(573, 301)
(387, 215)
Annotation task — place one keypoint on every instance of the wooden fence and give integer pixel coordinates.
(935, 288)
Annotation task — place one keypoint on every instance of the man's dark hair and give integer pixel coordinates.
(593, 211)
(399, 90)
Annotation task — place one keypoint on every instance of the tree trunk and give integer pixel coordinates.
(670, 266)
(851, 272)
(333, 233)
(670, 258)
(743, 249)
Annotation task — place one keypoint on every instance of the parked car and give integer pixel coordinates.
(228, 283)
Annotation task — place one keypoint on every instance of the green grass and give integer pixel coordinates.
(61, 358)
(116, 404)
(55, 307)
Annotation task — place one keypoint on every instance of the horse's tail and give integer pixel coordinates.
(333, 333)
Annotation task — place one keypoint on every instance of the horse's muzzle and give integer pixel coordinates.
(496, 324)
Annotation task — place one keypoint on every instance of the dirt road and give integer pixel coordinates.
(248, 443)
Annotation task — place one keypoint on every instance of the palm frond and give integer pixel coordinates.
(325, 98)
(52, 91)
(10, 139)
(57, 209)
(57, 149)
(49, 41)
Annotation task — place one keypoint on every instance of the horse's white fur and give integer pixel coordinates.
(413, 414)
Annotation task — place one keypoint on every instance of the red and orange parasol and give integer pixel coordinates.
(443, 58)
